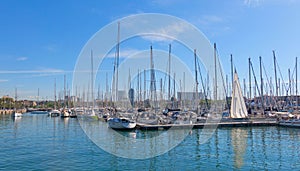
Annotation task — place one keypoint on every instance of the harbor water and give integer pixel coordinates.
(39, 142)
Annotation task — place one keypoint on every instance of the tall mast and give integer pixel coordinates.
(244, 80)
(296, 84)
(196, 80)
(250, 79)
(144, 84)
(174, 88)
(161, 90)
(231, 62)
(92, 79)
(55, 93)
(38, 97)
(289, 89)
(227, 85)
(64, 91)
(117, 60)
(153, 83)
(183, 89)
(174, 93)
(275, 71)
(216, 82)
(261, 85)
(138, 86)
(106, 89)
(16, 99)
(169, 73)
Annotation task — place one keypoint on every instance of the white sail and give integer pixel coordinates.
(238, 107)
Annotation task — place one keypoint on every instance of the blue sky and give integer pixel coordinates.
(41, 40)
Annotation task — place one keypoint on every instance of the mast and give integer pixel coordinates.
(106, 89)
(296, 84)
(215, 60)
(138, 86)
(196, 80)
(54, 93)
(275, 71)
(174, 93)
(169, 73)
(183, 90)
(289, 89)
(16, 99)
(117, 60)
(244, 80)
(227, 87)
(231, 62)
(153, 83)
(261, 85)
(161, 90)
(250, 79)
(64, 91)
(92, 79)
(38, 98)
(144, 84)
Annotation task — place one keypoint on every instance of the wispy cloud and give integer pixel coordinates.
(210, 19)
(22, 58)
(253, 3)
(31, 71)
(167, 2)
(2, 81)
(50, 47)
(125, 53)
(162, 34)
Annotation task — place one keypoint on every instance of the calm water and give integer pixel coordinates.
(38, 142)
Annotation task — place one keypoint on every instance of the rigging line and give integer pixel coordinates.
(202, 82)
(256, 85)
(270, 86)
(268, 81)
(285, 88)
(223, 82)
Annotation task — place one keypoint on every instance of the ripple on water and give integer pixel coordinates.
(38, 142)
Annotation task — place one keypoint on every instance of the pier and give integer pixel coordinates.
(243, 123)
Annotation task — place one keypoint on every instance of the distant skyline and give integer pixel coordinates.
(40, 41)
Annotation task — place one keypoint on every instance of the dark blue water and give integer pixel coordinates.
(38, 142)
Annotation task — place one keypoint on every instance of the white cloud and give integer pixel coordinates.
(2, 81)
(124, 53)
(252, 3)
(168, 33)
(31, 71)
(210, 19)
(22, 58)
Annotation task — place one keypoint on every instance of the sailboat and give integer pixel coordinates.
(16, 113)
(238, 107)
(54, 112)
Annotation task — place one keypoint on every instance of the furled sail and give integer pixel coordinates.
(238, 107)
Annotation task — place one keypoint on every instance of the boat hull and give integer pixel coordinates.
(118, 123)
(17, 114)
(290, 123)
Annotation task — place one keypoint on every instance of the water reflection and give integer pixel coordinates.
(44, 142)
(239, 144)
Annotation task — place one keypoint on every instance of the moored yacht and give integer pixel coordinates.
(121, 123)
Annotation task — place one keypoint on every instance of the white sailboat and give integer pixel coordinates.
(238, 107)
(121, 123)
(16, 113)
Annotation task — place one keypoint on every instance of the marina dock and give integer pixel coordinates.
(245, 123)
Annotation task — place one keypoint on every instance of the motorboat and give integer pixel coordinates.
(16, 114)
(54, 113)
(121, 123)
(65, 113)
(290, 123)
